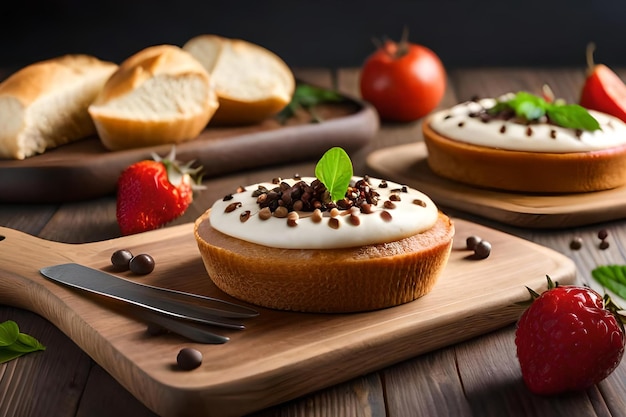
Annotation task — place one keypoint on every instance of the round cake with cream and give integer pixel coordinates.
(472, 144)
(282, 245)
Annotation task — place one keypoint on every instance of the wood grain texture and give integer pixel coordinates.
(407, 164)
(55, 377)
(279, 356)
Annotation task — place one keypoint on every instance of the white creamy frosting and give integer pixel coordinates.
(455, 123)
(413, 213)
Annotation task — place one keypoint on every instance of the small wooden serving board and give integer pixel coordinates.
(407, 164)
(280, 355)
(86, 169)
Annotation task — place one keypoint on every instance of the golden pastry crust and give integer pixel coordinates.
(329, 280)
(521, 171)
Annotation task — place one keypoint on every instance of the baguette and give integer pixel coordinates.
(251, 82)
(44, 105)
(160, 95)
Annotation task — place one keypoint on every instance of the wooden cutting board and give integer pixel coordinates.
(280, 355)
(407, 164)
(85, 169)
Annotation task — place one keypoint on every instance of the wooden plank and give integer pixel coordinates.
(280, 355)
(103, 394)
(566, 83)
(426, 386)
(42, 383)
(360, 397)
(27, 218)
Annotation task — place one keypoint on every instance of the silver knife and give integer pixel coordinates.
(195, 332)
(173, 303)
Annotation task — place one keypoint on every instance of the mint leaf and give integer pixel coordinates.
(532, 107)
(307, 97)
(9, 332)
(25, 344)
(14, 344)
(8, 355)
(528, 106)
(573, 116)
(334, 170)
(612, 277)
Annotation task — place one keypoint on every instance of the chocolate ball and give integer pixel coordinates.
(188, 359)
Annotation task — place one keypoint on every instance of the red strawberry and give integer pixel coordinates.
(568, 339)
(151, 193)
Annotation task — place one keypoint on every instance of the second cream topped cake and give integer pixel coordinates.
(288, 245)
(519, 142)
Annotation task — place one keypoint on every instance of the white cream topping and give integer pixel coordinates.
(412, 214)
(455, 123)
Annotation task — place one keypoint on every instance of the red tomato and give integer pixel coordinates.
(403, 81)
(603, 90)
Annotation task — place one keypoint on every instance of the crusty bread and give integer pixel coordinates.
(251, 82)
(44, 104)
(520, 171)
(328, 280)
(160, 95)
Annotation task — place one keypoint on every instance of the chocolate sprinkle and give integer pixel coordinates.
(232, 207)
(243, 217)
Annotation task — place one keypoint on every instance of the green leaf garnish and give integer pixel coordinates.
(572, 116)
(532, 107)
(9, 331)
(14, 344)
(334, 170)
(612, 277)
(307, 97)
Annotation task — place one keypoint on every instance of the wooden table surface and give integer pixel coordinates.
(480, 377)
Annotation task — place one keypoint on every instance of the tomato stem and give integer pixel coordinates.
(403, 45)
(377, 43)
(591, 47)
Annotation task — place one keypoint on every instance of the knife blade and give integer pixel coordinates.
(173, 303)
(196, 332)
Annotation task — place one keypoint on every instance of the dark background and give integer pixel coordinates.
(323, 33)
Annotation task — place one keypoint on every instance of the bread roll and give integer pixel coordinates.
(44, 105)
(160, 95)
(251, 82)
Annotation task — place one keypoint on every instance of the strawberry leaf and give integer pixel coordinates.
(334, 170)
